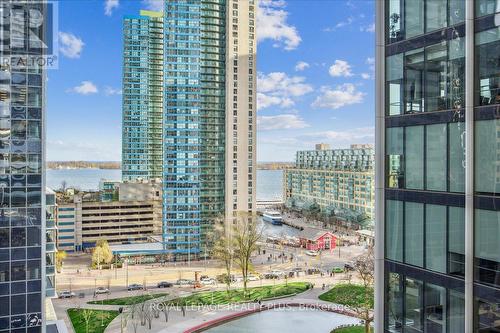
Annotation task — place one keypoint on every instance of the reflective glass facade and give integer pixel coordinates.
(142, 96)
(22, 192)
(426, 105)
(204, 134)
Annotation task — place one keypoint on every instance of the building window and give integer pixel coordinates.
(394, 230)
(414, 234)
(487, 158)
(435, 234)
(488, 67)
(487, 246)
(414, 305)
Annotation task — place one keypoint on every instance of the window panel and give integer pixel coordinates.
(435, 309)
(414, 17)
(435, 14)
(456, 245)
(413, 304)
(435, 234)
(487, 246)
(457, 157)
(436, 174)
(414, 144)
(487, 67)
(394, 151)
(414, 234)
(487, 177)
(394, 230)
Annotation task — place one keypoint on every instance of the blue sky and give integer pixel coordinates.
(315, 81)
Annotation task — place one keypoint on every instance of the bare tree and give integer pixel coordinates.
(148, 315)
(245, 234)
(87, 314)
(222, 249)
(165, 309)
(364, 265)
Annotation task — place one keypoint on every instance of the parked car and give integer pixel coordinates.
(101, 290)
(135, 286)
(271, 276)
(222, 278)
(66, 294)
(253, 278)
(312, 253)
(185, 282)
(337, 269)
(348, 266)
(238, 278)
(164, 284)
(208, 281)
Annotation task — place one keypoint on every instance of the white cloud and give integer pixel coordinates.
(340, 24)
(370, 61)
(109, 91)
(301, 65)
(340, 68)
(85, 88)
(342, 138)
(343, 95)
(282, 121)
(368, 28)
(272, 24)
(71, 46)
(365, 76)
(277, 88)
(155, 5)
(110, 5)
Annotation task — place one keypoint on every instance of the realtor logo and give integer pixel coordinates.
(28, 34)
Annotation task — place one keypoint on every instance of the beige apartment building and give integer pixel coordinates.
(341, 180)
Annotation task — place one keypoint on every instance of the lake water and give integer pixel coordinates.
(269, 182)
(286, 320)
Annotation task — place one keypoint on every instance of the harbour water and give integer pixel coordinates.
(269, 182)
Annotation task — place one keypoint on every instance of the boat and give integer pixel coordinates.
(273, 217)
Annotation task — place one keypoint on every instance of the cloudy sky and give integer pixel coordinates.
(315, 81)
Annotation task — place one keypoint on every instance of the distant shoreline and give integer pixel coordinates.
(112, 165)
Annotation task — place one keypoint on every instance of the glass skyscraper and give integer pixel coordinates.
(22, 193)
(142, 96)
(438, 174)
(207, 123)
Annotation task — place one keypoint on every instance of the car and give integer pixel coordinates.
(278, 273)
(348, 266)
(208, 281)
(164, 284)
(184, 282)
(101, 290)
(135, 286)
(312, 253)
(271, 276)
(337, 269)
(253, 278)
(223, 278)
(66, 294)
(238, 278)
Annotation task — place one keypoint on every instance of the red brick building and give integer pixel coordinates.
(315, 239)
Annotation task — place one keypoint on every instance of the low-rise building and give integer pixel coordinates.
(133, 218)
(339, 181)
(315, 239)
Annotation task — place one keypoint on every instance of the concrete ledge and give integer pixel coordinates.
(216, 322)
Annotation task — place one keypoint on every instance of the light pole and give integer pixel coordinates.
(126, 284)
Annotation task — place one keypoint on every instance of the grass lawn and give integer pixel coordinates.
(128, 300)
(236, 295)
(96, 318)
(352, 295)
(353, 329)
